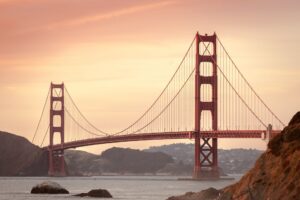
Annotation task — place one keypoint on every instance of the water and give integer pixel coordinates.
(121, 187)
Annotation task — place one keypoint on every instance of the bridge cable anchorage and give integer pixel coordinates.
(247, 82)
(163, 91)
(40, 119)
(103, 132)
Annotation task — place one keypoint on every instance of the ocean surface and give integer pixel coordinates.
(121, 187)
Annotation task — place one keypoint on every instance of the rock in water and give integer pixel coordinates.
(49, 187)
(101, 193)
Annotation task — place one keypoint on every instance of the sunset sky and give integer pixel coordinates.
(116, 56)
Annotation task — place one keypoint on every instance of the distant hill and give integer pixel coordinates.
(116, 160)
(233, 161)
(19, 157)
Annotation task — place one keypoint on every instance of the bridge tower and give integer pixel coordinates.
(56, 165)
(206, 149)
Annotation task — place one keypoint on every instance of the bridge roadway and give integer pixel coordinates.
(164, 136)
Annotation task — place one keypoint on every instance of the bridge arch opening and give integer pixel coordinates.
(206, 120)
(206, 93)
(57, 92)
(206, 69)
(57, 105)
(206, 48)
(57, 139)
(57, 121)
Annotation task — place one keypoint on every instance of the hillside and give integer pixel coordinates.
(232, 161)
(116, 160)
(276, 174)
(19, 157)
(163, 159)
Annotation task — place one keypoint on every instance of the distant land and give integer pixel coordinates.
(19, 157)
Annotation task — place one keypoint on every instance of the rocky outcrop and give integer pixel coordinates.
(276, 174)
(100, 193)
(49, 187)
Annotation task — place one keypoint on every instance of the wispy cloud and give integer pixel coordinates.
(109, 15)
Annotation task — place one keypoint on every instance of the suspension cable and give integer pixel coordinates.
(83, 115)
(236, 91)
(67, 111)
(38, 125)
(255, 93)
(152, 105)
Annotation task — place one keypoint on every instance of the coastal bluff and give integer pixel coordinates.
(275, 175)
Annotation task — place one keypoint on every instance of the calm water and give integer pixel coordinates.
(121, 187)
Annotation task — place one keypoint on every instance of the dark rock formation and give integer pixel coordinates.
(25, 160)
(101, 193)
(49, 187)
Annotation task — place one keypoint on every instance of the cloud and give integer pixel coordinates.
(108, 15)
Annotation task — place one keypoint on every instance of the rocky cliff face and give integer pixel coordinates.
(275, 176)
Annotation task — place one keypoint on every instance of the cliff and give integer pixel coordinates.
(276, 174)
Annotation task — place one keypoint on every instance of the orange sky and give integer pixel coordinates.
(116, 56)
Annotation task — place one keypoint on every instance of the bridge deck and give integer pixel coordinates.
(163, 136)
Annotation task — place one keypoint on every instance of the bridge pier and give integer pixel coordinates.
(56, 161)
(206, 149)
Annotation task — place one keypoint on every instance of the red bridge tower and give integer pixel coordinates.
(57, 126)
(206, 149)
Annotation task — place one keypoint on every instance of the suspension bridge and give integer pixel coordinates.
(206, 99)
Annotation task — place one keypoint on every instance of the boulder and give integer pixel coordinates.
(49, 187)
(100, 193)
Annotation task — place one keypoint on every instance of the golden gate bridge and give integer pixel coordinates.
(206, 99)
